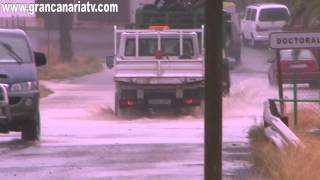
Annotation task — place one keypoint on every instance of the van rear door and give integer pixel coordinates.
(271, 19)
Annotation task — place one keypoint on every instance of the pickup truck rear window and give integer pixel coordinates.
(169, 47)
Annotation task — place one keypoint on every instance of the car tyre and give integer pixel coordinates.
(244, 40)
(314, 85)
(271, 79)
(31, 128)
(253, 42)
(117, 109)
(202, 106)
(183, 111)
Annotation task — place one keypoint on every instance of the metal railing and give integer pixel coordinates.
(148, 67)
(138, 32)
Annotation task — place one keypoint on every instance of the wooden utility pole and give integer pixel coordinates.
(213, 90)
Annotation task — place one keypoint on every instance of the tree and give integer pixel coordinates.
(65, 41)
(65, 25)
(305, 13)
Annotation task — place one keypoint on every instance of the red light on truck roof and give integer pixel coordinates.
(159, 28)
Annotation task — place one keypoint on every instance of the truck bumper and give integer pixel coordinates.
(151, 96)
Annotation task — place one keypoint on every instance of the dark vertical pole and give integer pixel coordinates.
(213, 90)
(295, 101)
(48, 39)
(279, 77)
(65, 41)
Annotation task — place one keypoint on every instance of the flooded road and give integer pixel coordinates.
(82, 139)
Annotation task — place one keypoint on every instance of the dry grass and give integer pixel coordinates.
(55, 69)
(292, 163)
(75, 68)
(44, 91)
(308, 117)
(260, 149)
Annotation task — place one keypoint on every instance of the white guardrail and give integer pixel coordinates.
(276, 131)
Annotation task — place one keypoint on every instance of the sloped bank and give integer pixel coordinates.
(60, 71)
(290, 163)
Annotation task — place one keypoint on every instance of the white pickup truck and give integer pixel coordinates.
(157, 67)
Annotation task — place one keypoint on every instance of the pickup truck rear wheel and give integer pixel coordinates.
(118, 111)
(271, 78)
(314, 85)
(31, 128)
(202, 106)
(253, 42)
(116, 104)
(185, 111)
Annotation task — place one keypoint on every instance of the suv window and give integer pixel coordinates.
(248, 15)
(288, 55)
(18, 45)
(273, 14)
(253, 15)
(169, 47)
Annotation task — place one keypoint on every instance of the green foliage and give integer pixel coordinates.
(306, 13)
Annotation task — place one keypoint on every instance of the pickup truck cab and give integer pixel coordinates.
(157, 68)
(19, 101)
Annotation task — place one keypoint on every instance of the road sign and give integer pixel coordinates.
(290, 40)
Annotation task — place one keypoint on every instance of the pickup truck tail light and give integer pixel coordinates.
(191, 101)
(127, 103)
(158, 54)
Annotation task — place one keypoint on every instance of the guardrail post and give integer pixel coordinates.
(279, 77)
(285, 120)
(295, 102)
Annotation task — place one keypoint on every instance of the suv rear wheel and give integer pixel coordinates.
(31, 127)
(243, 39)
(119, 111)
(253, 42)
(314, 85)
(271, 78)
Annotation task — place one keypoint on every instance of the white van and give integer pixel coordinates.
(262, 19)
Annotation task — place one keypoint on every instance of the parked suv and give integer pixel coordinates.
(262, 19)
(19, 100)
